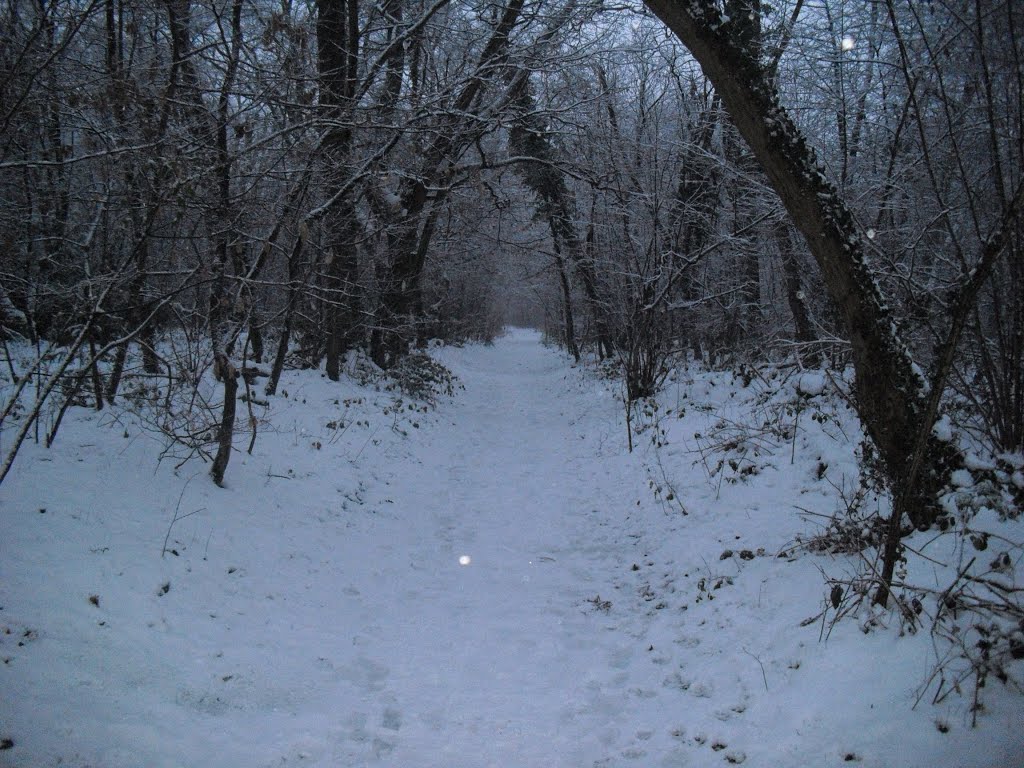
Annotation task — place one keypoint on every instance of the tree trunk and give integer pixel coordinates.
(147, 340)
(890, 393)
(226, 430)
(567, 313)
(255, 341)
(337, 30)
(294, 290)
(697, 203)
(802, 331)
(409, 239)
(116, 371)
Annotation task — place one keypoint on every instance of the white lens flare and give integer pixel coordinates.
(465, 560)
(847, 43)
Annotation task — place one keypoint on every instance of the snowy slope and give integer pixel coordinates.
(492, 583)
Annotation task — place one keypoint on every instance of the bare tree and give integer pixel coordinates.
(897, 405)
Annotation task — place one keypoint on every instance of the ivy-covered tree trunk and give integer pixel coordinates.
(555, 204)
(891, 394)
(400, 311)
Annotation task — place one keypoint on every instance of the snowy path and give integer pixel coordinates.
(318, 613)
(315, 613)
(504, 656)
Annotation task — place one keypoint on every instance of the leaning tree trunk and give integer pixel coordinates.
(891, 394)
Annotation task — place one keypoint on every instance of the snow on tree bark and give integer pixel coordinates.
(891, 395)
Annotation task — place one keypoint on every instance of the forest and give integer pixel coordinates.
(201, 198)
(292, 183)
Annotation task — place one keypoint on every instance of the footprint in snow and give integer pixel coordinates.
(727, 714)
(620, 658)
(205, 703)
(366, 674)
(677, 681)
(643, 693)
(732, 756)
(687, 642)
(392, 719)
(702, 690)
(675, 759)
(382, 747)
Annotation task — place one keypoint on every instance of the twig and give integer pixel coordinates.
(763, 674)
(175, 519)
(796, 429)
(372, 435)
(945, 595)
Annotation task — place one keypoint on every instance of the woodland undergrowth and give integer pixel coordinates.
(957, 581)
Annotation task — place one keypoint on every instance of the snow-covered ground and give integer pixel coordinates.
(492, 583)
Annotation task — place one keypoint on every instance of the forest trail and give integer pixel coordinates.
(317, 611)
(505, 656)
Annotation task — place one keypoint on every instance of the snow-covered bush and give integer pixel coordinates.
(424, 378)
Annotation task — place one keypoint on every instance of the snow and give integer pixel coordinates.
(811, 383)
(1014, 460)
(492, 583)
(978, 464)
(962, 478)
(943, 429)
